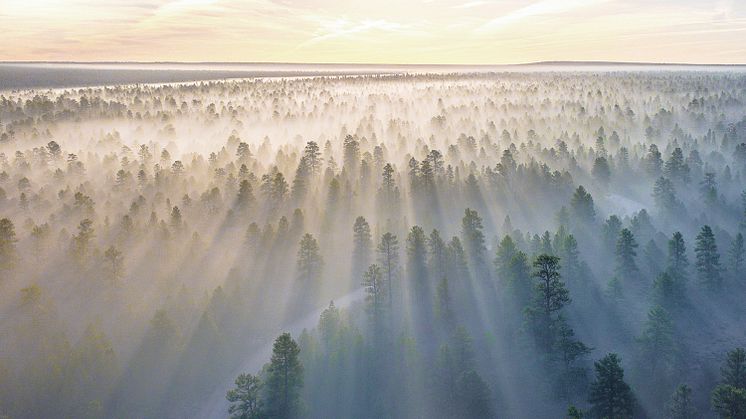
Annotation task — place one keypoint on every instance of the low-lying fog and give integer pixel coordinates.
(492, 242)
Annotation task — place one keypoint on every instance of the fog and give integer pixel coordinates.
(519, 242)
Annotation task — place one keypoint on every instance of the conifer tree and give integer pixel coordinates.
(8, 240)
(610, 396)
(310, 262)
(245, 398)
(729, 397)
(625, 255)
(362, 245)
(708, 259)
(681, 405)
(284, 379)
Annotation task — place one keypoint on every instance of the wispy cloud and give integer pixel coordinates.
(471, 4)
(341, 28)
(539, 8)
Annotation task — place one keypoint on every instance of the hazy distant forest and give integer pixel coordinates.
(514, 245)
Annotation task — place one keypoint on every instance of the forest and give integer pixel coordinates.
(513, 244)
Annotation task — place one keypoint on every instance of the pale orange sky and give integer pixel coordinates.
(375, 31)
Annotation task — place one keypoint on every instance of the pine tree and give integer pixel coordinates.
(362, 246)
(8, 253)
(736, 257)
(676, 168)
(310, 262)
(473, 239)
(610, 396)
(245, 398)
(734, 370)
(550, 296)
(677, 262)
(657, 342)
(626, 267)
(438, 255)
(601, 170)
(417, 261)
(388, 259)
(574, 413)
(245, 197)
(82, 241)
(664, 195)
(284, 379)
(582, 206)
(681, 405)
(312, 156)
(506, 250)
(729, 397)
(611, 229)
(708, 189)
(376, 295)
(708, 259)
(115, 262)
(653, 161)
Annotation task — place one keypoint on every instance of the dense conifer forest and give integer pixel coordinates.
(545, 244)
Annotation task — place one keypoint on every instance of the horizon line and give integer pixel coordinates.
(532, 63)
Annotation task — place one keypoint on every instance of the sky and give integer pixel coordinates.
(374, 31)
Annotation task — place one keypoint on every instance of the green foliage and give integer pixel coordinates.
(8, 239)
(377, 294)
(550, 296)
(574, 413)
(473, 239)
(681, 405)
(734, 370)
(729, 402)
(736, 254)
(551, 293)
(657, 345)
(708, 259)
(729, 398)
(610, 396)
(284, 379)
(460, 390)
(310, 262)
(581, 205)
(362, 245)
(245, 398)
(625, 266)
(677, 262)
